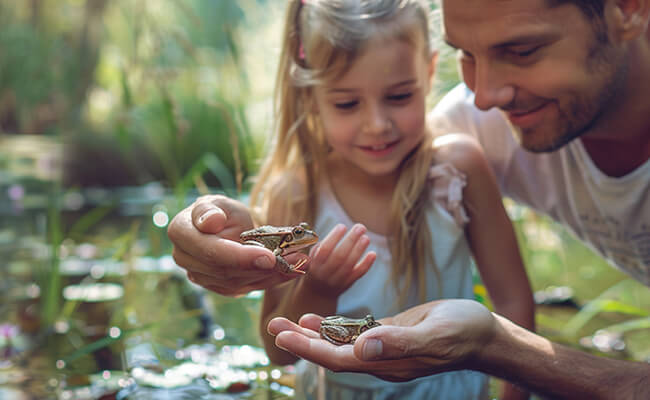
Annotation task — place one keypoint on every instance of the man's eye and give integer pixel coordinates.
(522, 53)
(464, 56)
(346, 105)
(399, 97)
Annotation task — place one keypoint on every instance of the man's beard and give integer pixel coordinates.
(583, 114)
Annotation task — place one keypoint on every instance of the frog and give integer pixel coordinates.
(343, 330)
(282, 241)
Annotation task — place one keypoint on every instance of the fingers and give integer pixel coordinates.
(338, 261)
(213, 214)
(280, 324)
(310, 321)
(384, 342)
(209, 253)
(327, 245)
(362, 266)
(303, 341)
(335, 358)
(207, 217)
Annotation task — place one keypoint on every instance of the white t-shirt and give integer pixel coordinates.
(611, 215)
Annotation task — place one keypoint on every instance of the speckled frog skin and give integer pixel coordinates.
(282, 240)
(342, 330)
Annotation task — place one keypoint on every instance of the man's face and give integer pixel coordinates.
(543, 67)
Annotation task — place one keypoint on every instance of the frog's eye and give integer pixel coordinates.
(298, 231)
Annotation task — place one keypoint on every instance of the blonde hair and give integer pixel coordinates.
(322, 39)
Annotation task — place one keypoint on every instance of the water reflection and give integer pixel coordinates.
(94, 306)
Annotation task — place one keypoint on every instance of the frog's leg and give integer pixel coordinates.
(284, 266)
(331, 333)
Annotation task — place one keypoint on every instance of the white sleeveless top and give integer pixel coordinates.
(375, 294)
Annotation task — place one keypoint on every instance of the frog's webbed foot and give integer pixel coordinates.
(284, 266)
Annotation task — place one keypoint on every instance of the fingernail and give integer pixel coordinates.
(372, 349)
(264, 262)
(208, 213)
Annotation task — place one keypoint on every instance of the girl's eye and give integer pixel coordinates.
(400, 97)
(346, 105)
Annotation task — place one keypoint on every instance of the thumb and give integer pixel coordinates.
(208, 218)
(386, 343)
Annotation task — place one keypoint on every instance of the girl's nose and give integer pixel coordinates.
(376, 121)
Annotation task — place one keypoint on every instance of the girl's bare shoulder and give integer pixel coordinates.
(462, 151)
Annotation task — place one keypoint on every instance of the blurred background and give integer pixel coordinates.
(115, 115)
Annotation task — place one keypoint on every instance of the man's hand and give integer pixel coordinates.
(206, 243)
(434, 337)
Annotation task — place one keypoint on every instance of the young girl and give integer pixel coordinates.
(353, 153)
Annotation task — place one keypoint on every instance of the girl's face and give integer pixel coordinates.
(374, 116)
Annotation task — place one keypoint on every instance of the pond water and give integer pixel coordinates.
(93, 305)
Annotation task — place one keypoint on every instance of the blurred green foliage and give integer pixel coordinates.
(139, 91)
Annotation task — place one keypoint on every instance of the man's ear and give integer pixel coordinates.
(631, 17)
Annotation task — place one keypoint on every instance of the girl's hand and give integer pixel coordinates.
(337, 262)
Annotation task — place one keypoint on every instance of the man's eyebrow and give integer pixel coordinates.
(527, 39)
(518, 40)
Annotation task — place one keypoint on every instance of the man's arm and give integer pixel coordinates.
(449, 335)
(544, 367)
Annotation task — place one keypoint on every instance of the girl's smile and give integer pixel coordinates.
(380, 149)
(374, 115)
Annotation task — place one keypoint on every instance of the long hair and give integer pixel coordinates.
(321, 41)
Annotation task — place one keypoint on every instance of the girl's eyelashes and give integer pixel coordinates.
(393, 98)
(346, 105)
(401, 97)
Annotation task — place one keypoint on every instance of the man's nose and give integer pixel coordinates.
(491, 87)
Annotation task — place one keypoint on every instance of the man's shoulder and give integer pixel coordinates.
(456, 113)
(458, 96)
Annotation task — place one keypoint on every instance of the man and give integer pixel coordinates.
(569, 78)
(549, 75)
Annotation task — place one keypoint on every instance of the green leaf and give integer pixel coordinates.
(596, 306)
(631, 325)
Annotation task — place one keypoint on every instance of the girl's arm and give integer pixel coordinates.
(336, 262)
(492, 239)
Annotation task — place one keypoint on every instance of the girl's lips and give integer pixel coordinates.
(379, 150)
